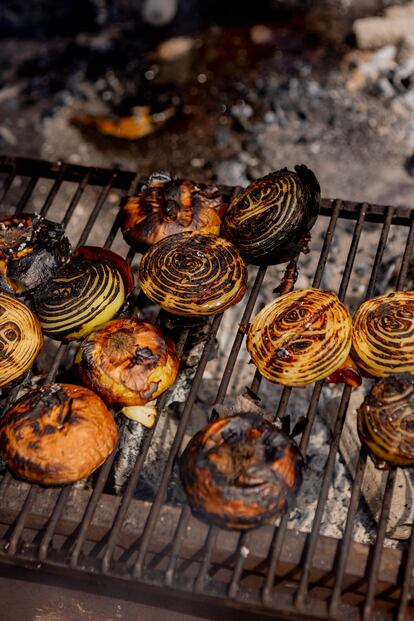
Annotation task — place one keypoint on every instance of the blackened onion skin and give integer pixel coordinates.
(31, 249)
(240, 472)
(165, 206)
(269, 221)
(386, 421)
(57, 434)
(127, 362)
(191, 274)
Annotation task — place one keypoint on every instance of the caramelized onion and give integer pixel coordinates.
(383, 336)
(192, 274)
(31, 249)
(164, 206)
(269, 221)
(21, 339)
(127, 362)
(386, 420)
(301, 337)
(57, 434)
(81, 296)
(240, 471)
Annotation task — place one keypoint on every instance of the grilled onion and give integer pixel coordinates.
(301, 337)
(83, 294)
(383, 336)
(386, 420)
(164, 206)
(240, 471)
(57, 434)
(127, 362)
(192, 274)
(269, 221)
(31, 248)
(21, 339)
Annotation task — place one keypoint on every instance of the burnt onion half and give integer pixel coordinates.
(127, 362)
(301, 337)
(191, 274)
(383, 334)
(165, 206)
(31, 249)
(21, 339)
(269, 221)
(386, 421)
(240, 471)
(83, 294)
(57, 434)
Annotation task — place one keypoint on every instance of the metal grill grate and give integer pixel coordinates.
(89, 531)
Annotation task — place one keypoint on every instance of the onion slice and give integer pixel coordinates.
(21, 339)
(269, 221)
(191, 274)
(301, 337)
(386, 421)
(383, 335)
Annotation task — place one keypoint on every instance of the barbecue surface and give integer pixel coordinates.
(91, 530)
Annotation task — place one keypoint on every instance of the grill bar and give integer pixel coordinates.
(26, 195)
(267, 573)
(159, 498)
(53, 191)
(360, 468)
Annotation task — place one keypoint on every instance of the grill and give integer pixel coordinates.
(156, 544)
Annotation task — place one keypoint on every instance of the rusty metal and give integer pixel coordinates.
(156, 545)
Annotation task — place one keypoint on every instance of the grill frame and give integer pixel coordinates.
(327, 564)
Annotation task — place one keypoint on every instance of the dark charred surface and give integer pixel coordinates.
(31, 250)
(270, 220)
(240, 471)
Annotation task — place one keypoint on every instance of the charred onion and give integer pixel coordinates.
(383, 335)
(386, 420)
(192, 274)
(240, 471)
(57, 434)
(301, 337)
(269, 221)
(165, 206)
(83, 294)
(127, 362)
(21, 339)
(31, 249)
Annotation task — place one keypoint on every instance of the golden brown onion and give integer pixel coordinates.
(21, 339)
(164, 206)
(269, 221)
(192, 274)
(31, 249)
(57, 434)
(240, 471)
(127, 362)
(383, 335)
(301, 337)
(82, 295)
(386, 420)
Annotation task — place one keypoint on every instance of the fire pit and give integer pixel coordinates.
(130, 521)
